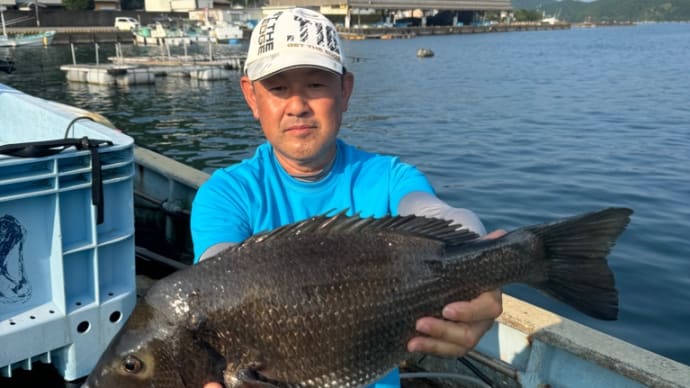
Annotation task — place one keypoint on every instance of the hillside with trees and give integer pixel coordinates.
(610, 10)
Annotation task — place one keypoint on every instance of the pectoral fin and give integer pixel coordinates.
(253, 378)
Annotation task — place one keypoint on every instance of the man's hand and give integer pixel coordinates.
(464, 324)
(212, 385)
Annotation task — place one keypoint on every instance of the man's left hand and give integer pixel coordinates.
(464, 325)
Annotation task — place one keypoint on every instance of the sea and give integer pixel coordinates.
(520, 127)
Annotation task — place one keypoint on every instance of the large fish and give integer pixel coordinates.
(332, 301)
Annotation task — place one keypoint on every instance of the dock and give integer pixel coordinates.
(125, 71)
(360, 33)
(79, 35)
(95, 34)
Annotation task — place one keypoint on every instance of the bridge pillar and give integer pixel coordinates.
(348, 17)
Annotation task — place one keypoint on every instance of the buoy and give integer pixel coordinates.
(425, 53)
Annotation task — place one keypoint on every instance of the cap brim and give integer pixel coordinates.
(269, 66)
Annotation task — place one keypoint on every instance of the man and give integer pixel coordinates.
(298, 89)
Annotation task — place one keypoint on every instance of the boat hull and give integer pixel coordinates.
(42, 39)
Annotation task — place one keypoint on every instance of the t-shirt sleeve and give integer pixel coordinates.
(218, 215)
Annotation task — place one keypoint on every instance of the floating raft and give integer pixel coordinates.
(123, 71)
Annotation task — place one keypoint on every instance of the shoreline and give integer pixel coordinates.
(96, 34)
(78, 35)
(88, 35)
(359, 33)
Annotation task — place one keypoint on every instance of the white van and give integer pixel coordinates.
(124, 23)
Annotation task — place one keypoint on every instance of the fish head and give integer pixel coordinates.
(138, 356)
(154, 351)
(144, 367)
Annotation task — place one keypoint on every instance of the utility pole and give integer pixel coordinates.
(2, 14)
(38, 21)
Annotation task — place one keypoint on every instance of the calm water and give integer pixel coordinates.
(520, 127)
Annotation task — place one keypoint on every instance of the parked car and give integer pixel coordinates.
(124, 23)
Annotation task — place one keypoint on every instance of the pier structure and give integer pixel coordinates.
(79, 35)
(346, 7)
(126, 71)
(359, 33)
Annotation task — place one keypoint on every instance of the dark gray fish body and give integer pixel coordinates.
(332, 302)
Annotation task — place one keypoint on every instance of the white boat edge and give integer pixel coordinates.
(546, 348)
(44, 38)
(533, 346)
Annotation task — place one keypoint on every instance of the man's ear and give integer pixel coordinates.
(348, 87)
(249, 96)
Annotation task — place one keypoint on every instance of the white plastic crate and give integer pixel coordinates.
(67, 283)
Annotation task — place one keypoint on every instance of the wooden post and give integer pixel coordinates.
(74, 57)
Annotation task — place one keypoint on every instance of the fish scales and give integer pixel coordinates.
(332, 301)
(309, 302)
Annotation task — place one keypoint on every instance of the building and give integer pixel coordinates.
(394, 8)
(106, 5)
(176, 5)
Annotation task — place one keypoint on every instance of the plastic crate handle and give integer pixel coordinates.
(37, 149)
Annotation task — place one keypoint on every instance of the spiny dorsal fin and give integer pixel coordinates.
(341, 223)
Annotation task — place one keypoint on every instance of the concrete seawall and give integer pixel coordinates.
(406, 32)
(87, 35)
(79, 35)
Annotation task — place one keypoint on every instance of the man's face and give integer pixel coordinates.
(300, 112)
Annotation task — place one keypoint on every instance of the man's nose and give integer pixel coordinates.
(298, 104)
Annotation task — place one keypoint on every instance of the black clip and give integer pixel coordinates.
(51, 147)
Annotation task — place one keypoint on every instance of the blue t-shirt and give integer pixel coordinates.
(257, 195)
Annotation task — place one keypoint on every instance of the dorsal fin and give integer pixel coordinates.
(341, 223)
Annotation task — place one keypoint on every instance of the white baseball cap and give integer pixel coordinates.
(293, 38)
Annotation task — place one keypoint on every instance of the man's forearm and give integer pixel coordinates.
(425, 204)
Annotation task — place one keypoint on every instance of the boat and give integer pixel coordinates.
(228, 33)
(43, 38)
(161, 33)
(526, 347)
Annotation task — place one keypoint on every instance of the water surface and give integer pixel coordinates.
(521, 127)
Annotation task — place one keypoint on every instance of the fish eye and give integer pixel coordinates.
(131, 364)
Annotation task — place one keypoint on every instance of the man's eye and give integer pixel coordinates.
(277, 88)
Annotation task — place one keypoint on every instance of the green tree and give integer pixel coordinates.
(610, 10)
(526, 15)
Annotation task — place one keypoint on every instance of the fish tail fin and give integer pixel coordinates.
(577, 272)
